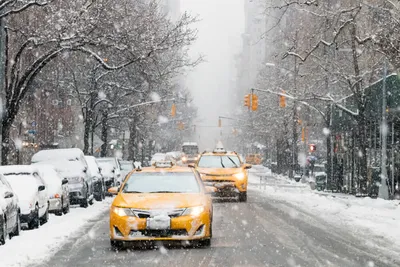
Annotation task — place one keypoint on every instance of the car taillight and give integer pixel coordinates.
(57, 196)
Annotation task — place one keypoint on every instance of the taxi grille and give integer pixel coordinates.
(159, 233)
(219, 175)
(149, 213)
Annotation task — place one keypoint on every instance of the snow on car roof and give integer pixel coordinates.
(71, 154)
(18, 169)
(68, 168)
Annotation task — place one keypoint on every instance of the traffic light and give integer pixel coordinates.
(303, 134)
(219, 123)
(247, 101)
(254, 102)
(282, 100)
(312, 147)
(173, 110)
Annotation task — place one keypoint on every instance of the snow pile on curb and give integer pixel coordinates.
(36, 245)
(371, 218)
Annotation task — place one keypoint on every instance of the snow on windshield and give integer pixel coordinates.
(219, 162)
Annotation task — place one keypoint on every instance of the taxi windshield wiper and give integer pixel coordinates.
(233, 162)
(222, 164)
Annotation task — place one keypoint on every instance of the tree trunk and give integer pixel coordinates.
(5, 135)
(86, 134)
(132, 139)
(104, 133)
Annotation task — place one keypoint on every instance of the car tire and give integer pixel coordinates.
(35, 223)
(17, 230)
(45, 217)
(85, 203)
(66, 209)
(91, 201)
(4, 235)
(297, 179)
(243, 196)
(205, 243)
(98, 196)
(116, 245)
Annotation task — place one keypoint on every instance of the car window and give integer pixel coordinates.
(168, 182)
(214, 161)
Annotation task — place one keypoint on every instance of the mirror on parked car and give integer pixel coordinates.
(41, 188)
(8, 194)
(64, 181)
(191, 165)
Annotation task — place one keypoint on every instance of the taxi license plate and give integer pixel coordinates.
(158, 223)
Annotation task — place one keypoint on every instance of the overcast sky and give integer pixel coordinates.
(220, 29)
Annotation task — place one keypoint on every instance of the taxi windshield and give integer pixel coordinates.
(214, 161)
(167, 182)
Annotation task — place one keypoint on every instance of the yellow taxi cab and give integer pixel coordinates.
(225, 171)
(254, 159)
(161, 203)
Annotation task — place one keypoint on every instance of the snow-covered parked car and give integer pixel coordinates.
(57, 188)
(111, 170)
(98, 180)
(80, 193)
(31, 192)
(10, 224)
(75, 169)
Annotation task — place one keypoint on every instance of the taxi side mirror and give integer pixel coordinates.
(247, 166)
(113, 190)
(191, 165)
(210, 189)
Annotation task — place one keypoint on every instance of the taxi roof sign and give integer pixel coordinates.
(219, 148)
(164, 164)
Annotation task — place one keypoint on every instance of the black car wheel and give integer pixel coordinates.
(116, 245)
(35, 222)
(66, 209)
(45, 217)
(17, 230)
(205, 243)
(4, 235)
(243, 196)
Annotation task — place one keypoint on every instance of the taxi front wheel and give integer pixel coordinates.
(116, 245)
(243, 196)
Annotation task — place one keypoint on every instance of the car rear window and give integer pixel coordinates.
(167, 182)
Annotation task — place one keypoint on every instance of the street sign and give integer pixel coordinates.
(33, 123)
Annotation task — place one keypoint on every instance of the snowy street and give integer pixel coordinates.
(282, 224)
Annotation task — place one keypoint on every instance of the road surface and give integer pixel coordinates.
(261, 232)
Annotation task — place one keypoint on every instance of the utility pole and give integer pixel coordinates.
(383, 189)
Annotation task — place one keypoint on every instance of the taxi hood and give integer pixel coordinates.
(219, 171)
(160, 201)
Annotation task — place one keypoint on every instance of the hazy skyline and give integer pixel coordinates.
(211, 83)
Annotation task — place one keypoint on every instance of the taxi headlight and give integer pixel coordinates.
(239, 175)
(122, 211)
(194, 211)
(184, 158)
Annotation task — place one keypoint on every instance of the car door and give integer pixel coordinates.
(11, 209)
(42, 194)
